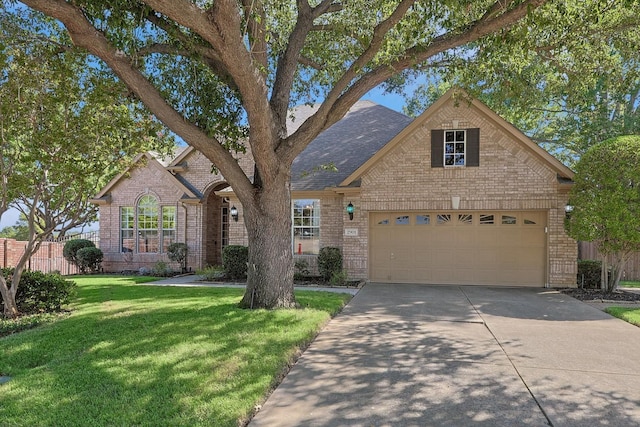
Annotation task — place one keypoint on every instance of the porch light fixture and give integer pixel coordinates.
(350, 210)
(567, 211)
(234, 213)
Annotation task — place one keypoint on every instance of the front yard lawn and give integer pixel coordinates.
(630, 284)
(631, 315)
(148, 356)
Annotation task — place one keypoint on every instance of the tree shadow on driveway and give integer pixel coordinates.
(401, 355)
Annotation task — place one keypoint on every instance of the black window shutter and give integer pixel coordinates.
(473, 147)
(437, 148)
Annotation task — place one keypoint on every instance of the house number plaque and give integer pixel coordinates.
(351, 232)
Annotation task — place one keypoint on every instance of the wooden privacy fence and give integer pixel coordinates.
(587, 250)
(47, 259)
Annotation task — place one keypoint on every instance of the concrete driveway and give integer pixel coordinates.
(417, 355)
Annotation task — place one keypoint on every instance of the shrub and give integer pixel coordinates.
(161, 269)
(41, 293)
(301, 269)
(144, 271)
(178, 252)
(89, 259)
(339, 278)
(71, 248)
(329, 262)
(234, 260)
(589, 273)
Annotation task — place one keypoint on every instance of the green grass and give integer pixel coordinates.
(630, 284)
(631, 315)
(149, 356)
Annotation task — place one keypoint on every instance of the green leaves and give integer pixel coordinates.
(66, 126)
(606, 196)
(606, 201)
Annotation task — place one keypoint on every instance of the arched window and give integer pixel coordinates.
(148, 238)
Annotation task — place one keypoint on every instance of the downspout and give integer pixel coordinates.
(184, 207)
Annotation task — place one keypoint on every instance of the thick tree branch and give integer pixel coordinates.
(347, 91)
(209, 56)
(287, 66)
(288, 61)
(86, 36)
(320, 117)
(256, 20)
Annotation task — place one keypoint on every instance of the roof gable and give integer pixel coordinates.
(151, 162)
(461, 96)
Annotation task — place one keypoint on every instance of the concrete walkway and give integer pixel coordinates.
(196, 281)
(415, 355)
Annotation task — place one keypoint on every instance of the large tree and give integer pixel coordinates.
(65, 130)
(606, 203)
(213, 70)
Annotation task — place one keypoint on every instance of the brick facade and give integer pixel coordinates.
(512, 176)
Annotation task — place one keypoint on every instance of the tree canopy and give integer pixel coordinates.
(606, 201)
(66, 128)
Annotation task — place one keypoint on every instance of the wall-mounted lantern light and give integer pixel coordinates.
(234, 213)
(350, 210)
(567, 211)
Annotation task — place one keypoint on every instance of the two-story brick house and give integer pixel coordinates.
(456, 196)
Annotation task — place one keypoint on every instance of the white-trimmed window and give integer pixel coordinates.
(455, 147)
(148, 225)
(127, 225)
(306, 226)
(168, 226)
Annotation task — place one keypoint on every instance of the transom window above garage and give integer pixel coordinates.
(463, 219)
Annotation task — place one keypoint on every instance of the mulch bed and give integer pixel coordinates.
(599, 295)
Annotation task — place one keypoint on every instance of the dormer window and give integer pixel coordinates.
(455, 148)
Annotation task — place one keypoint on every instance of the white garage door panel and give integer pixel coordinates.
(486, 248)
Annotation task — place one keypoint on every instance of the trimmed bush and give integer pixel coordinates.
(71, 248)
(234, 260)
(589, 274)
(161, 269)
(329, 262)
(177, 252)
(41, 293)
(301, 269)
(89, 259)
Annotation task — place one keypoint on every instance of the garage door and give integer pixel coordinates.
(484, 248)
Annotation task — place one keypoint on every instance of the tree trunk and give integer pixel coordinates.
(9, 294)
(270, 267)
(10, 310)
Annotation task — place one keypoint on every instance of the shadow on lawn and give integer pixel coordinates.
(133, 364)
